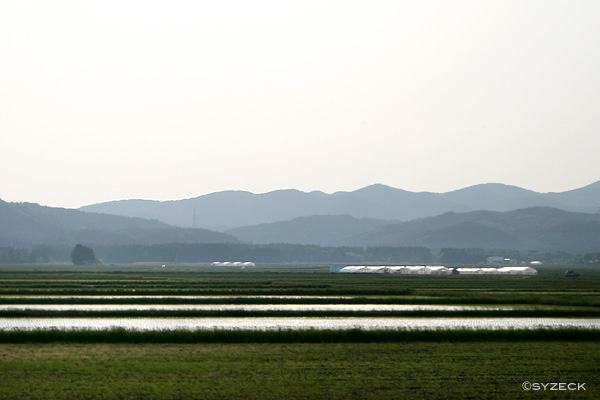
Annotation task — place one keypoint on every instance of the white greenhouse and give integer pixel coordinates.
(469, 271)
(517, 271)
(354, 269)
(436, 270)
(232, 264)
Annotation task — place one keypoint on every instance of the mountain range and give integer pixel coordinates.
(490, 216)
(29, 224)
(226, 210)
(323, 230)
(533, 228)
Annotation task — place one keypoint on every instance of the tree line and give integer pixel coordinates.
(271, 253)
(274, 253)
(191, 253)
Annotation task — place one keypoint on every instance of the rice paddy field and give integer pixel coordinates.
(200, 332)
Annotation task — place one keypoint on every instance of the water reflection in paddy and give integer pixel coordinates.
(146, 324)
(254, 307)
(192, 297)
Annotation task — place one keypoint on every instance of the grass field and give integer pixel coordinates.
(122, 335)
(122, 364)
(296, 371)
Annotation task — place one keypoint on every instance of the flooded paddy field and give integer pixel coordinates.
(302, 323)
(289, 281)
(197, 298)
(285, 332)
(260, 307)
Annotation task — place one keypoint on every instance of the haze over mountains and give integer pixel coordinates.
(533, 228)
(539, 228)
(489, 216)
(232, 209)
(324, 230)
(28, 224)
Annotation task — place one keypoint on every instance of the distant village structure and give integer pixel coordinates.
(501, 261)
(433, 270)
(508, 261)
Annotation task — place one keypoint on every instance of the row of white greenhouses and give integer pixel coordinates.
(498, 271)
(437, 270)
(233, 264)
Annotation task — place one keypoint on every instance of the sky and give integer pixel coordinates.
(107, 100)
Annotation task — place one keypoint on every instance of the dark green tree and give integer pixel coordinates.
(82, 255)
(462, 256)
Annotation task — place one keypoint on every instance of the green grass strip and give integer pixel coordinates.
(466, 299)
(522, 313)
(573, 300)
(120, 335)
(324, 291)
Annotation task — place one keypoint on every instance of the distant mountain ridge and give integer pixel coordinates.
(541, 228)
(534, 228)
(324, 230)
(226, 210)
(29, 224)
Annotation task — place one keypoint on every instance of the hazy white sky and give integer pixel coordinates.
(105, 100)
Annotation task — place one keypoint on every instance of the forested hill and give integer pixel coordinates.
(535, 228)
(231, 209)
(540, 228)
(28, 224)
(323, 230)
